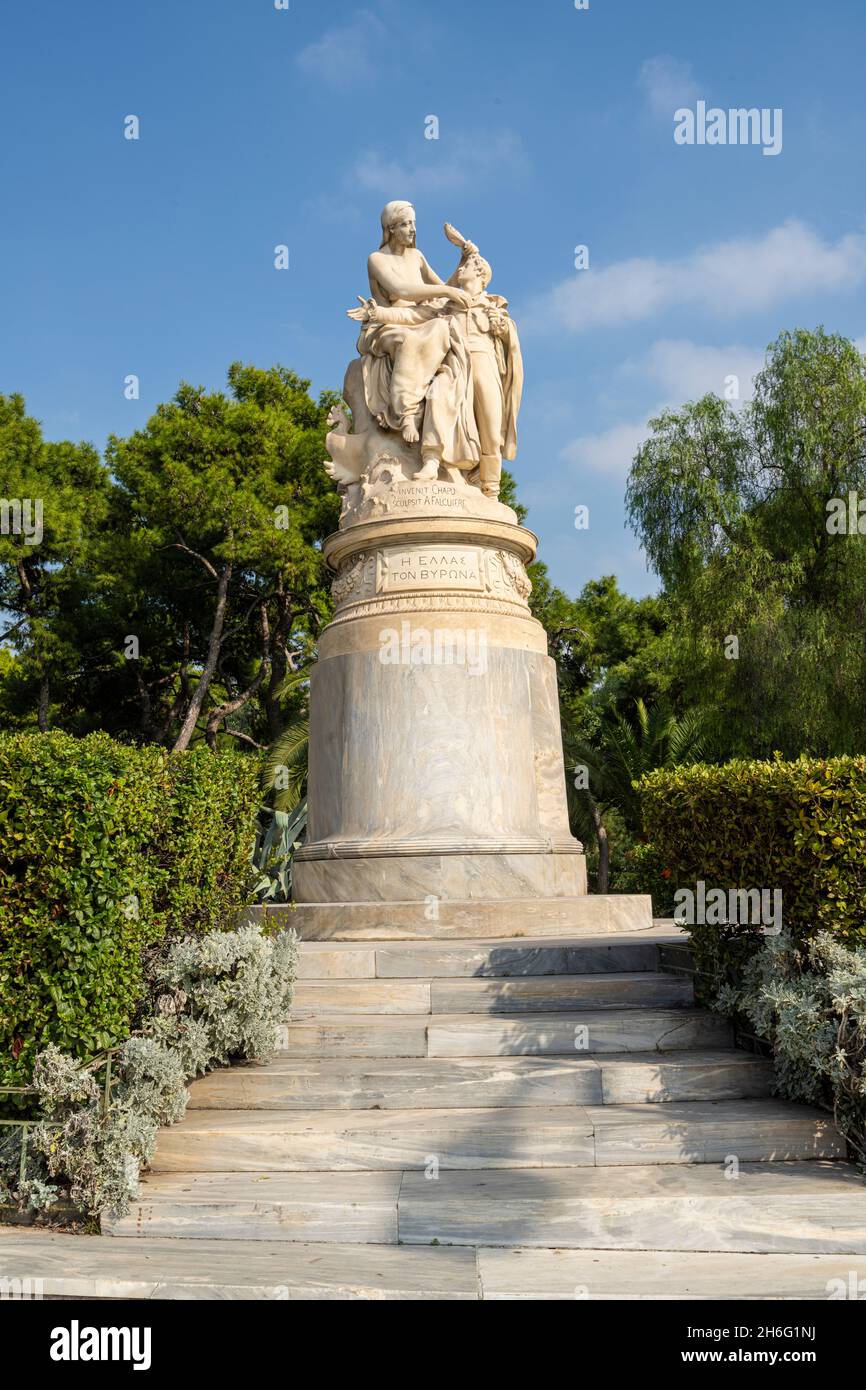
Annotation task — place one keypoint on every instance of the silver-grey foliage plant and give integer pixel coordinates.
(809, 1001)
(216, 999)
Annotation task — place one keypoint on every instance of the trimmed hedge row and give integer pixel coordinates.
(106, 849)
(797, 826)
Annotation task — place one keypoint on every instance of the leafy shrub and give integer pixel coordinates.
(797, 826)
(810, 1003)
(106, 849)
(639, 868)
(217, 998)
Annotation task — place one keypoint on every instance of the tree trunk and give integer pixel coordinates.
(28, 599)
(44, 699)
(279, 667)
(198, 697)
(220, 712)
(603, 884)
(182, 694)
(145, 705)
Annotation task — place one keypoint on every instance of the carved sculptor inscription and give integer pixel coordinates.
(437, 496)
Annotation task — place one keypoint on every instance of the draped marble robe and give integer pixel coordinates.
(422, 369)
(472, 328)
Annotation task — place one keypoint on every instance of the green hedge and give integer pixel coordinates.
(106, 849)
(797, 826)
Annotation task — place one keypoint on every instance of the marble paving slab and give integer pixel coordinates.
(636, 1030)
(98, 1267)
(343, 1207)
(554, 993)
(618, 1274)
(815, 1207)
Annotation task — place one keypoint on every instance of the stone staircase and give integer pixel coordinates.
(535, 1117)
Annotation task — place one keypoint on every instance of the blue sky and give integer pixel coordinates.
(262, 126)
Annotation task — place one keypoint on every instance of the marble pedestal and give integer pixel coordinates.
(435, 752)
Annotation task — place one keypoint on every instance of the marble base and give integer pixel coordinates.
(475, 919)
(436, 768)
(424, 877)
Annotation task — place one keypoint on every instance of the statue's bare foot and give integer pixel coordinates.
(429, 469)
(410, 430)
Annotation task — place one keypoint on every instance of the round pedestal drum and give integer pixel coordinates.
(435, 752)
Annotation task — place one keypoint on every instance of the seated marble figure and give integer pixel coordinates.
(439, 377)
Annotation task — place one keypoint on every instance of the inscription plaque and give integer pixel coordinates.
(450, 567)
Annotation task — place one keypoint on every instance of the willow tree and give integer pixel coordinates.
(739, 513)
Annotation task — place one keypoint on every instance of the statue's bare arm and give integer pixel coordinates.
(428, 274)
(416, 282)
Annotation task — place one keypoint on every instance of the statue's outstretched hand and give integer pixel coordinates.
(462, 298)
(365, 313)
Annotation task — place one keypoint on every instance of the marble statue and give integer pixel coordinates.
(436, 388)
(436, 769)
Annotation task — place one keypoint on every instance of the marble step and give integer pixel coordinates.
(627, 1030)
(472, 1035)
(333, 997)
(345, 1207)
(640, 1274)
(507, 1137)
(347, 1035)
(632, 990)
(342, 960)
(373, 1140)
(450, 919)
(95, 1267)
(807, 1208)
(534, 994)
(735, 1131)
(400, 1083)
(426, 1083)
(653, 1077)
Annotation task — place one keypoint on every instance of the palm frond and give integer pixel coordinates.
(284, 770)
(293, 679)
(625, 748)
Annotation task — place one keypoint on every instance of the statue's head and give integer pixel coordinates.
(398, 224)
(475, 270)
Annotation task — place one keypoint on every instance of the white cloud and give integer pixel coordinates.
(860, 344)
(610, 451)
(447, 165)
(685, 370)
(725, 278)
(344, 56)
(667, 83)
